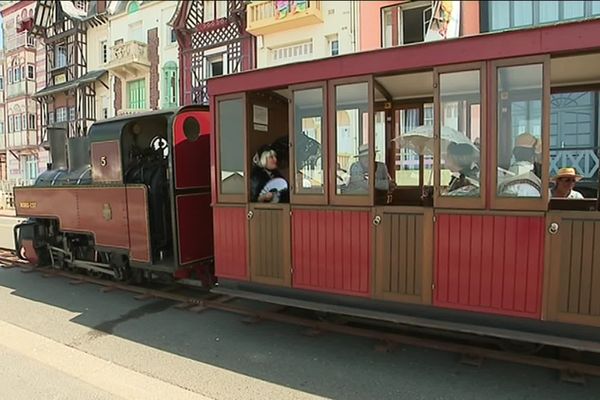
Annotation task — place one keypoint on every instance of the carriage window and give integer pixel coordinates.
(308, 128)
(460, 133)
(519, 131)
(231, 146)
(352, 136)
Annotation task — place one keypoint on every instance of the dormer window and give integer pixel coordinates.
(133, 7)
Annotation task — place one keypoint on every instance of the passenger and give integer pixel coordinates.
(564, 182)
(461, 159)
(267, 183)
(359, 174)
(525, 181)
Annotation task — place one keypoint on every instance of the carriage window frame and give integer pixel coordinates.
(520, 203)
(304, 198)
(238, 198)
(341, 199)
(461, 202)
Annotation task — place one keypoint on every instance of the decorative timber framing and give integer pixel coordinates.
(62, 25)
(201, 40)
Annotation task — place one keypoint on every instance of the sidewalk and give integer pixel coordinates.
(88, 369)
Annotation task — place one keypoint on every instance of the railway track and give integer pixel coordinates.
(472, 349)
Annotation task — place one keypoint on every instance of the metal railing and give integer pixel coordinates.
(586, 160)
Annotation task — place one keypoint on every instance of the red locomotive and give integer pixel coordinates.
(418, 182)
(128, 200)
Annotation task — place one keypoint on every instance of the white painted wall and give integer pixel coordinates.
(338, 18)
(104, 96)
(151, 14)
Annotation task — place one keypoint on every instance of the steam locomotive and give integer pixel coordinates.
(130, 200)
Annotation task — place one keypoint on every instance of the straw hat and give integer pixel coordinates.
(529, 141)
(363, 150)
(567, 172)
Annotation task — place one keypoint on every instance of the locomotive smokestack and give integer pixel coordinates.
(57, 136)
(77, 151)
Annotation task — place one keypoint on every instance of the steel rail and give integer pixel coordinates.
(222, 303)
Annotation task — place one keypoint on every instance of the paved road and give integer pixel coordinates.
(214, 355)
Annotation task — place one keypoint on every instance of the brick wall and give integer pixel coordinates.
(118, 95)
(154, 62)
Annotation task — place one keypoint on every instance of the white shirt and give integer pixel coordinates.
(574, 195)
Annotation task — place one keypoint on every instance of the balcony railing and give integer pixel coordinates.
(266, 17)
(584, 159)
(17, 41)
(129, 59)
(129, 111)
(23, 88)
(17, 140)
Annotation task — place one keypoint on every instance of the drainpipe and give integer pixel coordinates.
(353, 23)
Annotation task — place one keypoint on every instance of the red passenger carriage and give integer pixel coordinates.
(495, 254)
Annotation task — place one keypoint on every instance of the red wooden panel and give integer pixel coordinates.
(192, 158)
(230, 227)
(106, 161)
(490, 264)
(195, 227)
(332, 251)
(101, 211)
(139, 224)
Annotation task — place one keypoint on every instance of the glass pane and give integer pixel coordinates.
(519, 121)
(380, 148)
(499, 15)
(595, 7)
(352, 139)
(231, 143)
(308, 127)
(548, 11)
(522, 13)
(573, 9)
(459, 113)
(407, 160)
(387, 28)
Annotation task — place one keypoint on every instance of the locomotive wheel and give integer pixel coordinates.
(120, 266)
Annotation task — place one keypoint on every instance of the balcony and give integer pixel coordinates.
(265, 18)
(131, 111)
(23, 88)
(129, 59)
(19, 40)
(19, 140)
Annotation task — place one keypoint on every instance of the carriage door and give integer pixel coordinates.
(574, 267)
(191, 160)
(269, 223)
(269, 228)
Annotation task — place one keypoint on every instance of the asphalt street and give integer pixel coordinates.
(63, 341)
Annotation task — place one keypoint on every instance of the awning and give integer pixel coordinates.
(91, 76)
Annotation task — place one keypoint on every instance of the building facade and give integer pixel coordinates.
(294, 31)
(2, 132)
(213, 41)
(142, 57)
(69, 96)
(23, 156)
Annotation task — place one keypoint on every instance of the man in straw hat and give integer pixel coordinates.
(524, 182)
(564, 182)
(359, 174)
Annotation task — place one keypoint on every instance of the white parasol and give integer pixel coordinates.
(421, 140)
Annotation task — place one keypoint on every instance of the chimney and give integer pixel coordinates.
(78, 152)
(57, 136)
